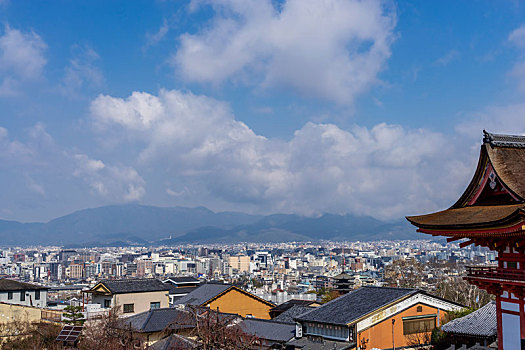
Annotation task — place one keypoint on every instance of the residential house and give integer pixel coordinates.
(374, 317)
(228, 299)
(180, 286)
(131, 296)
(15, 292)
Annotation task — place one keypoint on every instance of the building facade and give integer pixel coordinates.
(20, 293)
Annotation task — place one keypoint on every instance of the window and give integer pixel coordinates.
(9, 295)
(129, 308)
(107, 303)
(420, 325)
(154, 305)
(512, 265)
(37, 295)
(23, 295)
(420, 308)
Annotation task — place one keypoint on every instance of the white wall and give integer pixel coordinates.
(29, 296)
(511, 332)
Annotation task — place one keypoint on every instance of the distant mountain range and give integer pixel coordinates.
(132, 224)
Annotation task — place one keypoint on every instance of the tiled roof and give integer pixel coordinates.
(506, 155)
(358, 303)
(174, 341)
(501, 140)
(292, 313)
(268, 329)
(7, 285)
(481, 322)
(157, 320)
(180, 290)
(288, 304)
(203, 293)
(306, 343)
(468, 216)
(182, 280)
(135, 285)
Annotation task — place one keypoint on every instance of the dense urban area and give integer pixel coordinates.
(276, 272)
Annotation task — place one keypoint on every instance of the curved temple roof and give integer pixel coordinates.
(495, 198)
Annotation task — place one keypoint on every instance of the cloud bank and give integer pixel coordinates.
(330, 49)
(385, 171)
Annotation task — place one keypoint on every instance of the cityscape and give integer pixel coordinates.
(262, 175)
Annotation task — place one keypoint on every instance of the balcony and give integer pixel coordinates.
(496, 273)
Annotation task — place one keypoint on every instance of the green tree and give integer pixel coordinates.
(73, 315)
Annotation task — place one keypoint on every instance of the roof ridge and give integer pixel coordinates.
(263, 320)
(148, 318)
(504, 140)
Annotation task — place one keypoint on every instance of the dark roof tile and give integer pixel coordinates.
(354, 305)
(157, 320)
(175, 341)
(292, 313)
(268, 329)
(203, 293)
(11, 285)
(481, 322)
(134, 285)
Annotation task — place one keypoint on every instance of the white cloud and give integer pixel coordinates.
(21, 58)
(506, 119)
(11, 150)
(517, 37)
(33, 186)
(450, 56)
(386, 171)
(332, 49)
(116, 182)
(154, 39)
(82, 71)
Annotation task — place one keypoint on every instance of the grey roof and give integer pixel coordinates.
(500, 140)
(481, 322)
(157, 320)
(292, 313)
(292, 302)
(174, 341)
(357, 303)
(203, 293)
(135, 285)
(7, 285)
(180, 290)
(181, 280)
(268, 329)
(306, 343)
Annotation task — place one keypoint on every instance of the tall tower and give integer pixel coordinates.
(491, 213)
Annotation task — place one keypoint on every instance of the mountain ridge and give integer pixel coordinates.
(136, 224)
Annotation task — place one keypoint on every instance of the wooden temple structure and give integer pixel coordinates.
(491, 213)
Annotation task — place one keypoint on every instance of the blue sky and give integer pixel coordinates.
(296, 106)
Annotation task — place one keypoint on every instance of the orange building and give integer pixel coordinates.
(374, 317)
(228, 299)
